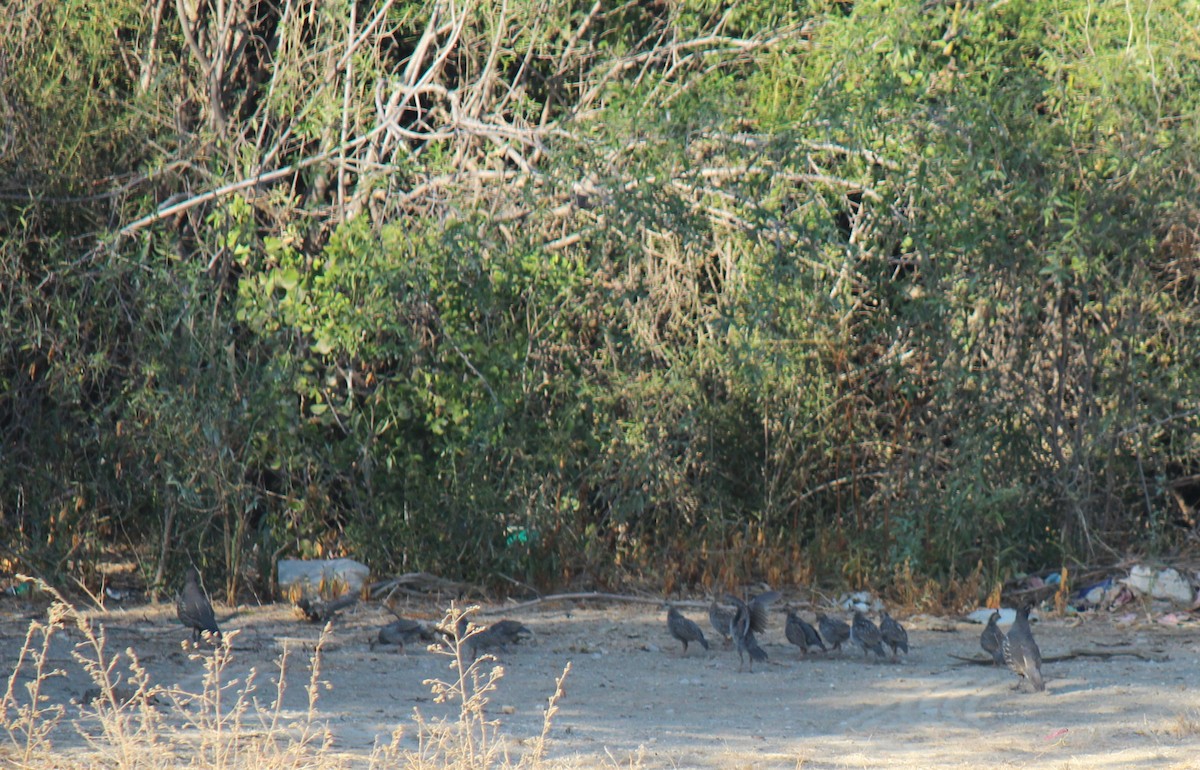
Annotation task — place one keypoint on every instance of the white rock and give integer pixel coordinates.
(308, 575)
(1165, 584)
(981, 616)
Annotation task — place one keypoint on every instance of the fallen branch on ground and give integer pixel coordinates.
(576, 597)
(1073, 654)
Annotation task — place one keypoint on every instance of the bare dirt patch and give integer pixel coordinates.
(632, 699)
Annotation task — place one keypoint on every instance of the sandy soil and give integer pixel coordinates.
(631, 698)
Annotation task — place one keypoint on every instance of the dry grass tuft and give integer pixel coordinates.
(471, 739)
(909, 592)
(127, 721)
(1184, 725)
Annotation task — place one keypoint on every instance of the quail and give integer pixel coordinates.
(402, 632)
(720, 618)
(801, 634)
(497, 636)
(193, 607)
(834, 630)
(749, 619)
(1021, 652)
(893, 633)
(992, 639)
(865, 634)
(684, 629)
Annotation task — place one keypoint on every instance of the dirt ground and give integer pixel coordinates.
(632, 700)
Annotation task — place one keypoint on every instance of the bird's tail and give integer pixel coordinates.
(757, 654)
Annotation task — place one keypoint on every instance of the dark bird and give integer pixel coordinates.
(801, 634)
(834, 630)
(1021, 652)
(496, 636)
(193, 607)
(748, 620)
(865, 634)
(720, 618)
(893, 633)
(992, 639)
(684, 629)
(402, 632)
(455, 634)
(317, 610)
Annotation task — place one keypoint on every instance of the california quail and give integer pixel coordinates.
(193, 607)
(497, 636)
(749, 619)
(865, 634)
(992, 639)
(1021, 652)
(720, 618)
(684, 629)
(402, 632)
(834, 630)
(801, 634)
(893, 633)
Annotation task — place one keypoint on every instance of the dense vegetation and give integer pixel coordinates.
(572, 292)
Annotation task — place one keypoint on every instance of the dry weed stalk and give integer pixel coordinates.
(470, 88)
(471, 739)
(141, 725)
(29, 721)
(1185, 725)
(138, 724)
(130, 723)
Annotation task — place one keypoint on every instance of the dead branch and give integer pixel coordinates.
(319, 611)
(737, 172)
(595, 596)
(420, 584)
(1073, 655)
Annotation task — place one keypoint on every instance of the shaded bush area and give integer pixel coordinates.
(529, 295)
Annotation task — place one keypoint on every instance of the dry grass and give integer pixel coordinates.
(909, 592)
(1184, 725)
(471, 739)
(127, 721)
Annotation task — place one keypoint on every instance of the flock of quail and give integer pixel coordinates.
(194, 610)
(1016, 649)
(749, 618)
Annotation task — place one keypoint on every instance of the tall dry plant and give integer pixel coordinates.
(127, 721)
(470, 738)
(26, 712)
(390, 111)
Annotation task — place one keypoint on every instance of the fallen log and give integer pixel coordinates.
(1072, 655)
